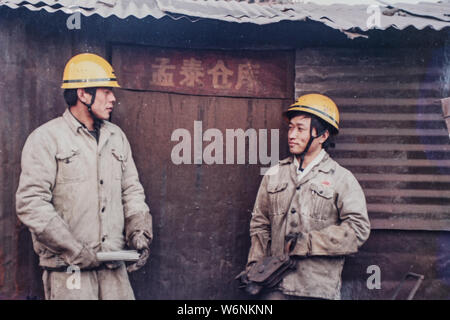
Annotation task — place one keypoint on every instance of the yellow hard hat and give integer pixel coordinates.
(88, 70)
(318, 105)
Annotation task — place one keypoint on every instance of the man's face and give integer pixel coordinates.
(104, 103)
(298, 135)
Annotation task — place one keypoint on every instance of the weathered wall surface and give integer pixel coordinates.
(394, 139)
(202, 212)
(32, 56)
(397, 252)
(393, 135)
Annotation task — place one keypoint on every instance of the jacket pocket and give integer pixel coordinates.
(278, 198)
(322, 202)
(70, 166)
(118, 163)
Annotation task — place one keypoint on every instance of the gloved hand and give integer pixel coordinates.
(244, 283)
(86, 259)
(141, 243)
(291, 241)
(249, 266)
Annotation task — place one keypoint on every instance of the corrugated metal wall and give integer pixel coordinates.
(394, 140)
(393, 134)
(34, 48)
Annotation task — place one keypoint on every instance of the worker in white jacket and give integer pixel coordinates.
(79, 191)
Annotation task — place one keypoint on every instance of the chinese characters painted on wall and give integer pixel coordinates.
(204, 72)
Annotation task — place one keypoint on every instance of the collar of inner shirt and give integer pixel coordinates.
(301, 172)
(93, 132)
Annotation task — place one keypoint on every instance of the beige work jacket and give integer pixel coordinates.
(327, 207)
(74, 191)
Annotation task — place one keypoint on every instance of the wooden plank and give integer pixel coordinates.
(392, 116)
(376, 101)
(395, 139)
(357, 71)
(363, 88)
(402, 177)
(410, 209)
(382, 108)
(407, 223)
(412, 185)
(393, 124)
(407, 193)
(392, 132)
(392, 162)
(392, 147)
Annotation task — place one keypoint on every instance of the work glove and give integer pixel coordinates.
(247, 285)
(242, 277)
(296, 244)
(291, 241)
(86, 259)
(141, 243)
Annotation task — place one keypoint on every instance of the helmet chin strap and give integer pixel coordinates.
(97, 121)
(89, 105)
(308, 145)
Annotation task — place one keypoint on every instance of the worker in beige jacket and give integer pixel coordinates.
(79, 191)
(311, 200)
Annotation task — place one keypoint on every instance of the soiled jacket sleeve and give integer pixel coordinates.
(260, 229)
(34, 198)
(346, 237)
(137, 213)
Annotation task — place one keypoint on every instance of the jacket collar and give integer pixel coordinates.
(325, 165)
(73, 123)
(287, 160)
(106, 130)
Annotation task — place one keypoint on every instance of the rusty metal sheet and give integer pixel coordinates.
(201, 212)
(259, 74)
(422, 252)
(30, 95)
(393, 136)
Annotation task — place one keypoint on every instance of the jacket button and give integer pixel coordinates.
(298, 188)
(103, 209)
(293, 210)
(294, 224)
(103, 238)
(101, 181)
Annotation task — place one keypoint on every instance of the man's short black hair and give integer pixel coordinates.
(71, 96)
(320, 125)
